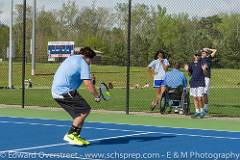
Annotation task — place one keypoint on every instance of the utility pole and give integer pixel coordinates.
(33, 41)
(10, 54)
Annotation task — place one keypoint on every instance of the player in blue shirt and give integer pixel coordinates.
(207, 56)
(197, 83)
(69, 76)
(175, 78)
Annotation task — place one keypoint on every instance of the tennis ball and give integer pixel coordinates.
(107, 93)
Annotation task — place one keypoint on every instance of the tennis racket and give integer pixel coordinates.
(104, 92)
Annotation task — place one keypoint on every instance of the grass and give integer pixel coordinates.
(139, 100)
(224, 99)
(45, 72)
(227, 78)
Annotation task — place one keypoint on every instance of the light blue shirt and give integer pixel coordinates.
(70, 75)
(175, 78)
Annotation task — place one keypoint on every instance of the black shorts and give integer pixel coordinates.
(74, 104)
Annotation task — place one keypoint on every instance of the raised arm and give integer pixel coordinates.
(165, 64)
(188, 69)
(214, 51)
(165, 67)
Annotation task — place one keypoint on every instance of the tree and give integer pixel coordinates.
(152, 28)
(142, 34)
(48, 29)
(229, 49)
(182, 48)
(4, 32)
(17, 29)
(68, 14)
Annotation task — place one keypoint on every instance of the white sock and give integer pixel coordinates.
(206, 106)
(197, 110)
(201, 109)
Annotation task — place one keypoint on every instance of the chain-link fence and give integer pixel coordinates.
(178, 27)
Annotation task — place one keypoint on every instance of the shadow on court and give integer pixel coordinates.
(125, 140)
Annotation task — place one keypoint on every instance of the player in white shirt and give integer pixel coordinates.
(158, 68)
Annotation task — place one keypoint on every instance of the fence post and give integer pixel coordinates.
(128, 55)
(24, 53)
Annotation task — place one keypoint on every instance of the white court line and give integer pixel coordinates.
(99, 139)
(33, 124)
(116, 137)
(59, 125)
(61, 120)
(119, 124)
(165, 133)
(198, 135)
(62, 144)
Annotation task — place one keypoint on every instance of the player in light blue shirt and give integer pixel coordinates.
(69, 76)
(175, 78)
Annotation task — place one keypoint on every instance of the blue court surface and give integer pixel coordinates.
(43, 139)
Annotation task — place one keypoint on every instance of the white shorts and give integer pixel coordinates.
(207, 86)
(197, 92)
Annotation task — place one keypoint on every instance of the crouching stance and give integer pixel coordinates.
(69, 76)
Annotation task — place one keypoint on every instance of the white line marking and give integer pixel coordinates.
(108, 138)
(36, 147)
(62, 144)
(196, 135)
(119, 124)
(33, 124)
(58, 125)
(114, 129)
(130, 135)
(201, 129)
(165, 133)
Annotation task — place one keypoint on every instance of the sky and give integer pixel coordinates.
(200, 8)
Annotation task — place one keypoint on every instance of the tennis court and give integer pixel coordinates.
(125, 36)
(42, 138)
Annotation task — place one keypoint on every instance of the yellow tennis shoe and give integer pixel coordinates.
(75, 139)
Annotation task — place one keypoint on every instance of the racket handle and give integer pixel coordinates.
(97, 99)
